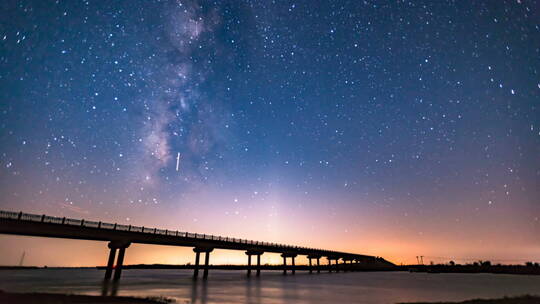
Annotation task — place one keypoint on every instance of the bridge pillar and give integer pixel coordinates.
(258, 253)
(114, 246)
(206, 262)
(249, 265)
(337, 265)
(285, 256)
(310, 258)
(110, 263)
(119, 263)
(329, 264)
(258, 264)
(198, 251)
(318, 266)
(196, 266)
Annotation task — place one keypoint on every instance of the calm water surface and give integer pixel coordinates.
(274, 288)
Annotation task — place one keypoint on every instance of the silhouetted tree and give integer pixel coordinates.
(452, 263)
(485, 263)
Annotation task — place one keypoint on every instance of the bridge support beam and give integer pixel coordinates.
(110, 264)
(258, 264)
(310, 258)
(196, 266)
(337, 265)
(258, 253)
(329, 264)
(114, 246)
(206, 266)
(119, 263)
(318, 265)
(285, 256)
(249, 265)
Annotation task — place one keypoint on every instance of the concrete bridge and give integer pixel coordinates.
(120, 237)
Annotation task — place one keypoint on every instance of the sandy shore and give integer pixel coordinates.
(50, 298)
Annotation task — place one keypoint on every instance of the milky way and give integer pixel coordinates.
(394, 128)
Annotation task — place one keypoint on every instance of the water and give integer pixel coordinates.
(274, 288)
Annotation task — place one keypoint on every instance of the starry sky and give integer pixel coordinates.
(391, 128)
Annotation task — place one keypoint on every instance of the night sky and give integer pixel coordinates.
(391, 128)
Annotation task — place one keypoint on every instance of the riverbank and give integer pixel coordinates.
(512, 300)
(51, 298)
(465, 269)
(472, 268)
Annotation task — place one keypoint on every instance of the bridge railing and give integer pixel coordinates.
(73, 222)
(31, 217)
(130, 228)
(136, 229)
(9, 214)
(52, 219)
(121, 227)
(91, 224)
(107, 226)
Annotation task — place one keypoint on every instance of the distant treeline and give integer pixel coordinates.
(476, 267)
(17, 267)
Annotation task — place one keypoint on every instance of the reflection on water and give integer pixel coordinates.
(109, 288)
(273, 288)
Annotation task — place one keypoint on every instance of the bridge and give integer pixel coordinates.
(120, 237)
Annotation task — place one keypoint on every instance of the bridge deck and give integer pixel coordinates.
(18, 223)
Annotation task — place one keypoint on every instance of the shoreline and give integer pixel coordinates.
(60, 298)
(527, 299)
(433, 269)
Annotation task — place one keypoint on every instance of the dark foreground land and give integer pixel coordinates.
(48, 298)
(51, 298)
(513, 300)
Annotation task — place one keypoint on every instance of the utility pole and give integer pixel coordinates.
(22, 258)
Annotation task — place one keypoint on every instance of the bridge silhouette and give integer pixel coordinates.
(120, 237)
